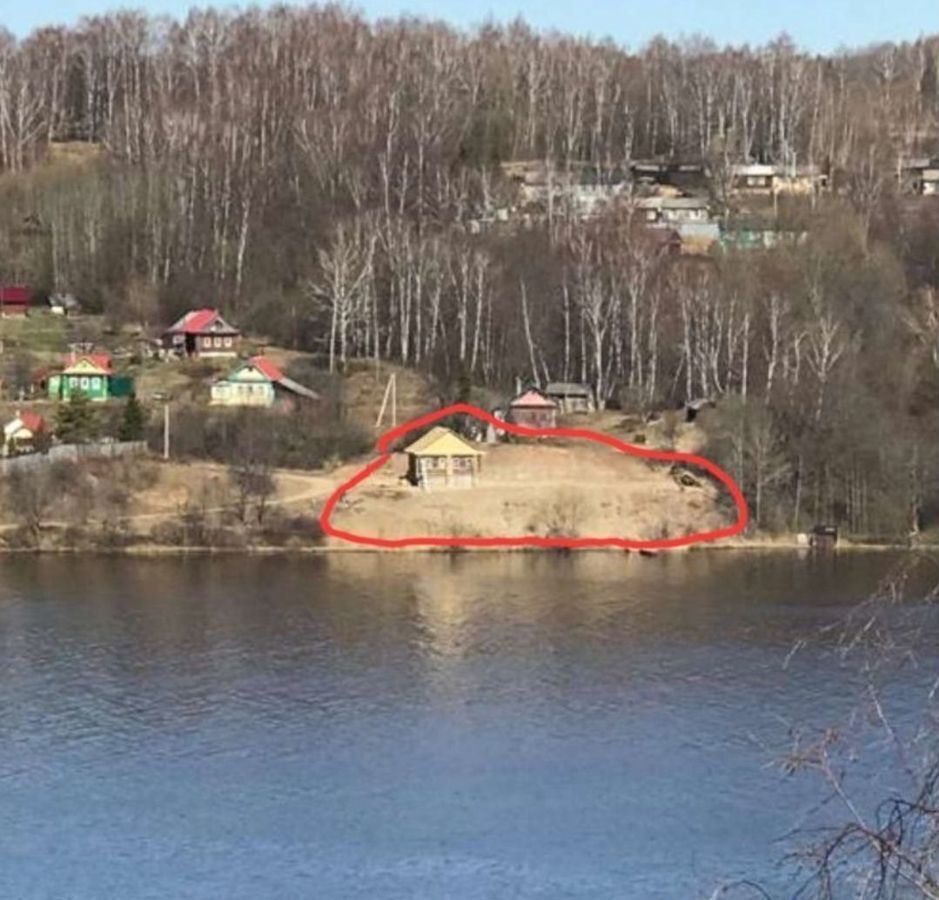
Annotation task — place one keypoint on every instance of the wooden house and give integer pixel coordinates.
(91, 374)
(664, 210)
(202, 333)
(761, 178)
(753, 178)
(570, 397)
(441, 458)
(920, 176)
(15, 299)
(258, 382)
(22, 433)
(533, 410)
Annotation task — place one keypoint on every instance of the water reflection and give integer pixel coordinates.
(399, 726)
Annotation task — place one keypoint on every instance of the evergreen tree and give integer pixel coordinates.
(75, 421)
(134, 421)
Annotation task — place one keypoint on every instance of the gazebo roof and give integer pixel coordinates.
(440, 441)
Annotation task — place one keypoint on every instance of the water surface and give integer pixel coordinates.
(475, 726)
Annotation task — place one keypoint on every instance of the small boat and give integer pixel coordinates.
(647, 552)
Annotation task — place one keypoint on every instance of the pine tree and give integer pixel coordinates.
(134, 421)
(75, 421)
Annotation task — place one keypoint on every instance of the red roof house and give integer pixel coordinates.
(100, 361)
(259, 382)
(533, 410)
(21, 433)
(15, 299)
(202, 332)
(266, 367)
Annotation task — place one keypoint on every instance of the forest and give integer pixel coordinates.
(312, 173)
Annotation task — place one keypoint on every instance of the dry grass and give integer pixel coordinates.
(365, 385)
(547, 488)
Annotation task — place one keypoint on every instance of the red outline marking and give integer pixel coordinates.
(532, 540)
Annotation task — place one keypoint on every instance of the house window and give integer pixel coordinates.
(83, 382)
(228, 342)
(218, 342)
(96, 384)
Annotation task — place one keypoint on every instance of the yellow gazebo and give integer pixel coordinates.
(441, 458)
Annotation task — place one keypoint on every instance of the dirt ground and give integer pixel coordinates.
(179, 484)
(165, 489)
(547, 487)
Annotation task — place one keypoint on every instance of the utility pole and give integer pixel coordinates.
(166, 429)
(391, 391)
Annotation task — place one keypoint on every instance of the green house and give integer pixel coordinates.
(91, 374)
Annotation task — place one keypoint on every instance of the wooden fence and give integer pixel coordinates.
(72, 452)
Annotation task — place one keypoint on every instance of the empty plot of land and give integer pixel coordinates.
(548, 487)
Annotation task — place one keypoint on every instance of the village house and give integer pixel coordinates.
(581, 188)
(570, 397)
(22, 433)
(258, 382)
(920, 176)
(441, 458)
(687, 217)
(532, 409)
(202, 333)
(800, 181)
(674, 211)
(15, 299)
(681, 175)
(768, 179)
(753, 178)
(90, 374)
(759, 238)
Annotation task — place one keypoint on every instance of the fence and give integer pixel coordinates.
(72, 453)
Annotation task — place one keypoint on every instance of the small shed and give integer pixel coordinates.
(532, 409)
(570, 397)
(64, 304)
(441, 458)
(15, 299)
(824, 537)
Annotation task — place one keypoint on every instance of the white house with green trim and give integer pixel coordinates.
(258, 382)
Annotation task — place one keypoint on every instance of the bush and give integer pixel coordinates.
(299, 530)
(305, 440)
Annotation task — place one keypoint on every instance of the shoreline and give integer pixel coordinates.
(155, 550)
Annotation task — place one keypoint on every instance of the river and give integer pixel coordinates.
(365, 726)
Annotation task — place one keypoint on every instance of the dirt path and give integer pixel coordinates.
(294, 487)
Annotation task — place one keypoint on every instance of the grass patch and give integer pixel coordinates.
(34, 333)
